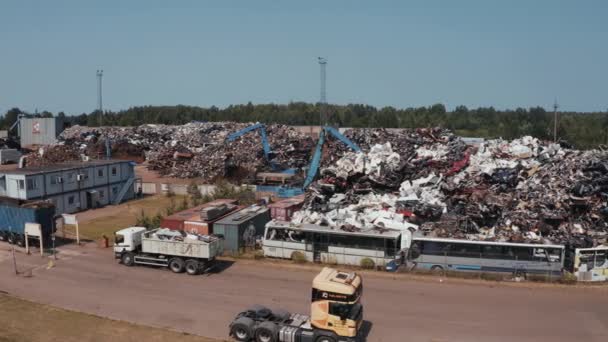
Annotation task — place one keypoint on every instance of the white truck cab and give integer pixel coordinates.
(128, 239)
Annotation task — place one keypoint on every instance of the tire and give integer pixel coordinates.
(20, 240)
(521, 274)
(193, 267)
(3, 236)
(325, 339)
(436, 269)
(177, 265)
(267, 332)
(242, 329)
(11, 238)
(128, 259)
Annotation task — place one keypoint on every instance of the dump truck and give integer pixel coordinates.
(160, 247)
(336, 314)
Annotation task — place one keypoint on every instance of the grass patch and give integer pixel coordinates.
(112, 218)
(27, 321)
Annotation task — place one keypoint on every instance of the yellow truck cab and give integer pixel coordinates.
(336, 314)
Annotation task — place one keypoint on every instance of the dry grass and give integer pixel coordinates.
(93, 224)
(21, 321)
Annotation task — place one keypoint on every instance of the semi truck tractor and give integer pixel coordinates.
(336, 314)
(166, 248)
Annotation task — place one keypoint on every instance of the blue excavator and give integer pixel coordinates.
(261, 128)
(315, 163)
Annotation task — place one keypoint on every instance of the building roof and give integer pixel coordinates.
(243, 215)
(191, 213)
(386, 233)
(288, 202)
(63, 166)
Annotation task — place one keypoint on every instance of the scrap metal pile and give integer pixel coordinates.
(186, 151)
(523, 190)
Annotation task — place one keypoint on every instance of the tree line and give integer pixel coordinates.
(583, 130)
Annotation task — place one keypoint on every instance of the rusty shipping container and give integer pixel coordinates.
(284, 209)
(205, 227)
(176, 221)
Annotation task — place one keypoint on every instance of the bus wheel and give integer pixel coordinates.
(11, 238)
(521, 274)
(192, 267)
(176, 265)
(3, 236)
(437, 270)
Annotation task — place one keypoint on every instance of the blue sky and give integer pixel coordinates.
(384, 53)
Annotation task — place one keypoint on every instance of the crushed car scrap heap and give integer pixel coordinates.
(523, 190)
(186, 151)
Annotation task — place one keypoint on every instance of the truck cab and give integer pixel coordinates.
(128, 240)
(336, 314)
(336, 302)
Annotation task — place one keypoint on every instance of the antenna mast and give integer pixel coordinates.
(99, 100)
(555, 106)
(323, 100)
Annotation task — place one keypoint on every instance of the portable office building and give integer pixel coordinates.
(242, 228)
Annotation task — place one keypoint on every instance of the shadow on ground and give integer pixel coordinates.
(366, 328)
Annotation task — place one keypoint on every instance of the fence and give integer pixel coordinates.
(181, 189)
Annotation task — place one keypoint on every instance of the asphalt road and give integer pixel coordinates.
(88, 279)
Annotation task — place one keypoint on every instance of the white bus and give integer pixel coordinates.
(483, 256)
(331, 246)
(591, 264)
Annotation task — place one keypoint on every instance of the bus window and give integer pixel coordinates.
(433, 248)
(521, 253)
(493, 252)
(464, 250)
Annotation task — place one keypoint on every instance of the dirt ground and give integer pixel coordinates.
(149, 176)
(397, 308)
(22, 321)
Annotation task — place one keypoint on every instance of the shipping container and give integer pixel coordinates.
(40, 131)
(205, 227)
(14, 218)
(242, 228)
(284, 209)
(9, 155)
(176, 221)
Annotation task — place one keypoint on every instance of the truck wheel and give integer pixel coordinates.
(20, 240)
(176, 265)
(242, 329)
(267, 332)
(325, 339)
(128, 259)
(192, 267)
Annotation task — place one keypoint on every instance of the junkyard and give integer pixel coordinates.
(314, 171)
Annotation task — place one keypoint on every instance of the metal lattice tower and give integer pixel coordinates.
(555, 106)
(99, 99)
(323, 100)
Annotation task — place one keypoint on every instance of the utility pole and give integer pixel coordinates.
(10, 231)
(323, 101)
(555, 106)
(99, 100)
